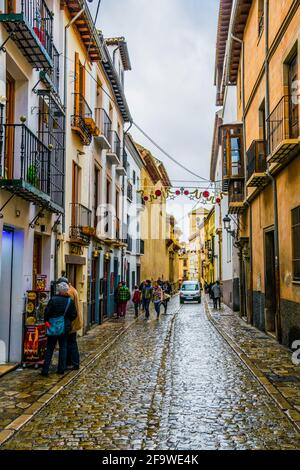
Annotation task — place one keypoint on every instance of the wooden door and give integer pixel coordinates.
(270, 282)
(11, 6)
(9, 119)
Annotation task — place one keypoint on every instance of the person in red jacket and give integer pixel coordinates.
(136, 299)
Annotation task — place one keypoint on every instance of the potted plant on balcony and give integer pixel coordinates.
(32, 176)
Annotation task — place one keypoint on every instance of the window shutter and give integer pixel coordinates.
(77, 85)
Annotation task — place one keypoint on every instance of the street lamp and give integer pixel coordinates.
(227, 226)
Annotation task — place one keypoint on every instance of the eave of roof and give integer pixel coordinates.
(239, 21)
(222, 33)
(122, 44)
(86, 29)
(215, 146)
(150, 163)
(116, 85)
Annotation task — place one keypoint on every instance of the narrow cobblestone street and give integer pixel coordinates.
(168, 384)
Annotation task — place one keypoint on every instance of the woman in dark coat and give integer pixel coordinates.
(59, 305)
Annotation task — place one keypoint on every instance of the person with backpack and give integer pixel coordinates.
(59, 315)
(123, 297)
(147, 295)
(136, 299)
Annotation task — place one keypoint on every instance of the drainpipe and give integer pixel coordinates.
(65, 93)
(273, 180)
(249, 314)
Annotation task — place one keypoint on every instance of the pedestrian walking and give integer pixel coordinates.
(216, 290)
(147, 295)
(116, 293)
(157, 298)
(136, 299)
(142, 285)
(123, 296)
(166, 296)
(73, 357)
(59, 315)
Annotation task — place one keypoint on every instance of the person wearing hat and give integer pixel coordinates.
(73, 356)
(60, 306)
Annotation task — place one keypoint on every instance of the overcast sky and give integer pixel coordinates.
(170, 89)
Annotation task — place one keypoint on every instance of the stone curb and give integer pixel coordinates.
(282, 403)
(12, 428)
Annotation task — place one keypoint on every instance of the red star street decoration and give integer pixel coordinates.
(205, 197)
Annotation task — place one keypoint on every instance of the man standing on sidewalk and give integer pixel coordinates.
(216, 291)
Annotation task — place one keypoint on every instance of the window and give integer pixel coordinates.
(133, 177)
(296, 243)
(261, 16)
(294, 99)
(232, 152)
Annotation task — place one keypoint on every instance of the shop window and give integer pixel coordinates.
(296, 243)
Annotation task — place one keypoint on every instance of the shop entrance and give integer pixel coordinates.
(270, 282)
(72, 274)
(6, 294)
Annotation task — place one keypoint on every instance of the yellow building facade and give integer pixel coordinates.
(268, 110)
(160, 260)
(210, 250)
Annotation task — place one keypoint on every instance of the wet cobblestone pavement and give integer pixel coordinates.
(268, 356)
(168, 384)
(21, 389)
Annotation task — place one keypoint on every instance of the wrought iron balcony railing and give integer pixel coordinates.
(31, 23)
(81, 118)
(103, 122)
(256, 158)
(115, 143)
(81, 221)
(283, 127)
(27, 166)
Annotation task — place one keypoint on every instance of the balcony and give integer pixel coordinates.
(232, 152)
(257, 165)
(140, 202)
(236, 197)
(30, 24)
(82, 121)
(51, 78)
(114, 153)
(283, 124)
(129, 191)
(27, 168)
(122, 169)
(103, 125)
(80, 228)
